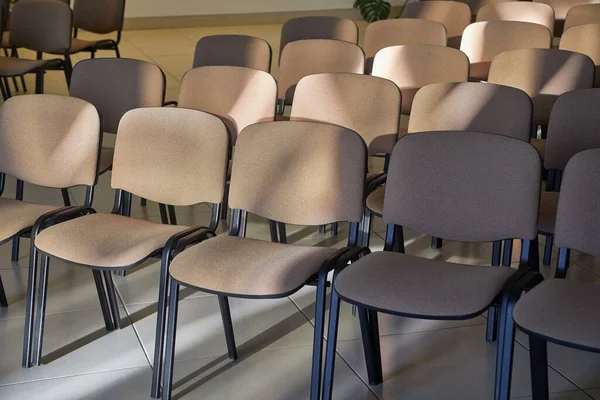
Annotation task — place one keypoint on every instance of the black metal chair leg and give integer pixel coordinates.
(39, 81)
(172, 215)
(332, 331)
(15, 84)
(538, 356)
(41, 310)
(548, 250)
(334, 228)
(491, 332)
(3, 90)
(108, 322)
(65, 196)
(170, 343)
(7, 87)
(436, 243)
(366, 229)
(23, 84)
(317, 357)
(143, 202)
(273, 231)
(112, 299)
(228, 327)
(369, 329)
(225, 203)
(506, 343)
(323, 229)
(117, 52)
(164, 218)
(30, 305)
(3, 301)
(16, 241)
(282, 232)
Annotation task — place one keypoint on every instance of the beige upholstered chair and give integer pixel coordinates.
(429, 174)
(288, 172)
(395, 32)
(561, 9)
(582, 14)
(584, 39)
(523, 11)
(482, 41)
(454, 15)
(318, 27)
(233, 50)
(476, 5)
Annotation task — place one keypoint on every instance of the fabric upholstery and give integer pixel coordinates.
(318, 27)
(233, 50)
(368, 105)
(414, 66)
(420, 287)
(536, 13)
(105, 240)
(43, 26)
(306, 57)
(375, 201)
(12, 66)
(117, 85)
(453, 15)
(99, 16)
(562, 311)
(547, 217)
(482, 41)
(577, 222)
(16, 215)
(475, 5)
(561, 8)
(584, 39)
(299, 172)
(247, 267)
(49, 140)
(582, 14)
(544, 74)
(464, 186)
(239, 96)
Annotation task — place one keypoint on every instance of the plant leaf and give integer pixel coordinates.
(373, 10)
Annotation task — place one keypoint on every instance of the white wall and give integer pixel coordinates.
(164, 8)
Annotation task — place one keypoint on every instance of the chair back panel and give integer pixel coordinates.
(582, 14)
(561, 9)
(523, 11)
(99, 16)
(41, 25)
(455, 16)
(318, 27)
(233, 50)
(584, 39)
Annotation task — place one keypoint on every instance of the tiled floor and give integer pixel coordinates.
(422, 359)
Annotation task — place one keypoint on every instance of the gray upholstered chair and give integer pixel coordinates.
(535, 13)
(561, 311)
(584, 39)
(430, 174)
(318, 27)
(233, 50)
(287, 172)
(100, 17)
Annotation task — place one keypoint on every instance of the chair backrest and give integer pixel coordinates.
(306, 57)
(543, 74)
(50, 140)
(464, 186)
(41, 25)
(318, 27)
(561, 8)
(413, 66)
(239, 96)
(476, 5)
(171, 156)
(582, 14)
(233, 50)
(584, 39)
(395, 32)
(117, 85)
(523, 11)
(99, 16)
(455, 16)
(472, 106)
(299, 172)
(577, 219)
(482, 41)
(573, 127)
(368, 105)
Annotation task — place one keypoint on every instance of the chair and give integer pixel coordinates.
(289, 172)
(561, 8)
(482, 41)
(543, 74)
(523, 11)
(306, 57)
(584, 39)
(233, 50)
(431, 173)
(455, 16)
(168, 155)
(476, 5)
(560, 311)
(395, 32)
(582, 14)
(411, 67)
(318, 27)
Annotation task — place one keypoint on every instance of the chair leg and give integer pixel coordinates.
(225, 203)
(23, 84)
(164, 218)
(41, 310)
(282, 233)
(370, 336)
(273, 231)
(366, 229)
(228, 327)
(170, 343)
(548, 250)
(39, 81)
(332, 331)
(172, 215)
(108, 322)
(506, 343)
(3, 301)
(143, 202)
(322, 229)
(117, 52)
(30, 306)
(112, 299)
(334, 228)
(3, 90)
(538, 356)
(436, 243)
(16, 241)
(317, 357)
(65, 196)
(491, 332)
(68, 69)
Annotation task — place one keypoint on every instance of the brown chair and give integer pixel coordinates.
(582, 15)
(482, 41)
(306, 57)
(411, 67)
(561, 9)
(168, 155)
(454, 15)
(288, 172)
(584, 39)
(560, 311)
(318, 27)
(395, 32)
(544, 75)
(491, 185)
(233, 50)
(523, 11)
(50, 141)
(476, 5)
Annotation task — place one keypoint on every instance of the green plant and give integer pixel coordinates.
(373, 10)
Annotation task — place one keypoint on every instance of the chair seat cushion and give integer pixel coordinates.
(247, 267)
(105, 240)
(422, 288)
(11, 66)
(547, 215)
(562, 311)
(375, 201)
(16, 215)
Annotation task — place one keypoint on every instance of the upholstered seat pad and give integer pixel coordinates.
(78, 45)
(563, 311)
(375, 201)
(11, 66)
(247, 267)
(420, 287)
(17, 215)
(547, 215)
(105, 240)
